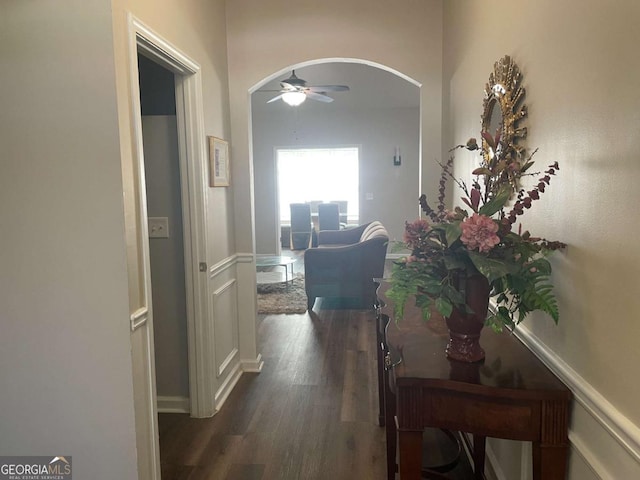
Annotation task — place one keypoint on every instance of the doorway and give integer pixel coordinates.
(166, 234)
(193, 195)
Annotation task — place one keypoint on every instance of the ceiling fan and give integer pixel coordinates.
(295, 90)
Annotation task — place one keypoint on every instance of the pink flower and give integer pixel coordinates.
(479, 232)
(414, 232)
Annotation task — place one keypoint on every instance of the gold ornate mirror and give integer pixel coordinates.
(503, 108)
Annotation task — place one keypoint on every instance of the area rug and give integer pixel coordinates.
(281, 298)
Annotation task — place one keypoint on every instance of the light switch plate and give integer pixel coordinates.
(368, 196)
(158, 227)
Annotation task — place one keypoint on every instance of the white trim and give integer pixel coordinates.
(254, 366)
(318, 61)
(223, 287)
(139, 318)
(615, 423)
(227, 386)
(245, 257)
(160, 51)
(589, 458)
(234, 351)
(191, 138)
(143, 315)
(222, 265)
(233, 354)
(173, 404)
(190, 120)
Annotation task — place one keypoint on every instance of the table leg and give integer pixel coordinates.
(479, 443)
(390, 426)
(550, 461)
(410, 459)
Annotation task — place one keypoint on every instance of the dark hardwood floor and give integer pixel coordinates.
(311, 414)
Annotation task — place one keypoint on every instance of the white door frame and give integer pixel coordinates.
(193, 168)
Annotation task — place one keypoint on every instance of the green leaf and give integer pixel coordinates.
(526, 166)
(496, 203)
(542, 266)
(444, 306)
(453, 295)
(542, 298)
(491, 268)
(452, 232)
(495, 322)
(454, 263)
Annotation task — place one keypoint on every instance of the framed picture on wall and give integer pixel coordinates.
(218, 162)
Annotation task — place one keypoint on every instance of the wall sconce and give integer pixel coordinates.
(397, 159)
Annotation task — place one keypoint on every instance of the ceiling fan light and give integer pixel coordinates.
(294, 98)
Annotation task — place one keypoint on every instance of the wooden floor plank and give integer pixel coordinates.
(310, 414)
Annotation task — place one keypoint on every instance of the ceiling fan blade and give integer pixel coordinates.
(278, 97)
(289, 87)
(328, 88)
(319, 97)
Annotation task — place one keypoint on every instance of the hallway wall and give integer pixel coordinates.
(259, 44)
(65, 350)
(581, 72)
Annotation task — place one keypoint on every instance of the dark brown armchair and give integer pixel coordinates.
(345, 263)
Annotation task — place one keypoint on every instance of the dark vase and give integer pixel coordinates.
(465, 328)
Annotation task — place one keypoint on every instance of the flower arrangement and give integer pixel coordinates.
(448, 245)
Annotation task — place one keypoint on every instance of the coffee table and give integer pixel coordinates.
(264, 261)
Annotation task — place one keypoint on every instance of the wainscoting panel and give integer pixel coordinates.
(225, 326)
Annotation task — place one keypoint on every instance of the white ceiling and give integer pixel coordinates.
(369, 87)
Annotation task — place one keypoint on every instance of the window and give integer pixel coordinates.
(318, 174)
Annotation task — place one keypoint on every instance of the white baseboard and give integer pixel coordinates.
(167, 404)
(604, 443)
(253, 366)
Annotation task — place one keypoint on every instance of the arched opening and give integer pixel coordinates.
(379, 115)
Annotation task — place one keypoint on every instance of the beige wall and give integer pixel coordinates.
(197, 28)
(265, 38)
(66, 134)
(65, 352)
(581, 71)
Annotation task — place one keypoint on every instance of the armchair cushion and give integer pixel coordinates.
(345, 263)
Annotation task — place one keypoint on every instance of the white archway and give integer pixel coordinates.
(383, 138)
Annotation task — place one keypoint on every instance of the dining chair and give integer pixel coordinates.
(328, 216)
(301, 226)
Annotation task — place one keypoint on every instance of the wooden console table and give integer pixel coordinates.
(509, 395)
